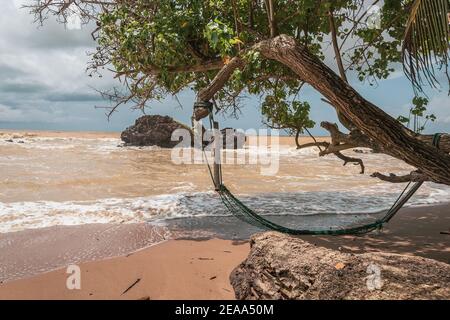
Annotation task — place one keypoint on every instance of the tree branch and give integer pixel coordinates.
(444, 143)
(414, 176)
(207, 65)
(337, 52)
(312, 144)
(354, 139)
(338, 154)
(216, 84)
(271, 17)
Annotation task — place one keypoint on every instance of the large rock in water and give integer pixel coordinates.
(285, 267)
(155, 130)
(152, 130)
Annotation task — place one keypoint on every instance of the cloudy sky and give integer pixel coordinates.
(43, 84)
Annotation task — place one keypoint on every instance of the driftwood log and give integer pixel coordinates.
(286, 267)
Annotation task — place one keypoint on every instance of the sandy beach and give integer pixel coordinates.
(142, 227)
(222, 150)
(177, 269)
(197, 269)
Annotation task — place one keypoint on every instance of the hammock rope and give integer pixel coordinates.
(244, 213)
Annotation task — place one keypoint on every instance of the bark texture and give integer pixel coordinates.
(285, 267)
(378, 126)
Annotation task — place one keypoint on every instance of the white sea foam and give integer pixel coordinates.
(25, 215)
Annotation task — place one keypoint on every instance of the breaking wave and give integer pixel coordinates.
(18, 216)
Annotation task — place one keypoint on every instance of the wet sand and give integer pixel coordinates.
(423, 231)
(30, 252)
(198, 269)
(177, 269)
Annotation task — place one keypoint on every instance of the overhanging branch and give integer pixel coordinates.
(414, 176)
(338, 154)
(217, 84)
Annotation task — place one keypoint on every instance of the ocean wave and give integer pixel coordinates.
(326, 189)
(94, 146)
(18, 216)
(27, 215)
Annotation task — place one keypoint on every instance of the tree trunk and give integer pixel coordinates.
(297, 136)
(397, 140)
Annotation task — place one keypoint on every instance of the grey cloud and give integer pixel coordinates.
(57, 37)
(7, 72)
(32, 87)
(19, 27)
(74, 97)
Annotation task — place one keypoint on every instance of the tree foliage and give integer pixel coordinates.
(291, 116)
(417, 118)
(159, 47)
(426, 41)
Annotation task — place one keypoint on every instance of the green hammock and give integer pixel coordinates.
(241, 211)
(244, 213)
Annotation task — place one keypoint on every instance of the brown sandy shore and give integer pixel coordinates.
(176, 269)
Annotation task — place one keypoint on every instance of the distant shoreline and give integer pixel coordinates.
(64, 134)
(74, 134)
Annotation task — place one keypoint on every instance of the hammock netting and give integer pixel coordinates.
(336, 224)
(348, 223)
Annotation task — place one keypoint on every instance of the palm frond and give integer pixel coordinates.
(426, 42)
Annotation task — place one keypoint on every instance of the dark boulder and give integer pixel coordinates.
(153, 130)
